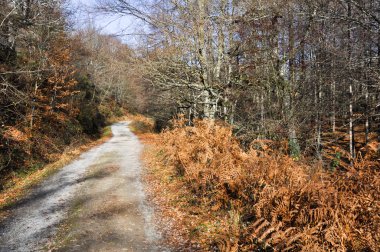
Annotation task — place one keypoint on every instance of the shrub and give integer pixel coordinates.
(91, 120)
(141, 124)
(262, 198)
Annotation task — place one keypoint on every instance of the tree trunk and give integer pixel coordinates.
(333, 103)
(317, 101)
(291, 82)
(221, 40)
(262, 113)
(351, 125)
(351, 95)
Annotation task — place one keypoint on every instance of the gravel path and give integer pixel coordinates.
(110, 209)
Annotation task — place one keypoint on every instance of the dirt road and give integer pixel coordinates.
(100, 199)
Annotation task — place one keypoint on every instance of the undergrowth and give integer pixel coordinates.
(228, 199)
(140, 124)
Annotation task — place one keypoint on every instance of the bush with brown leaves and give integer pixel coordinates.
(263, 199)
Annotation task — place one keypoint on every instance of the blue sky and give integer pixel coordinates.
(124, 27)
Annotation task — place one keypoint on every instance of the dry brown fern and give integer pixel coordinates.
(291, 206)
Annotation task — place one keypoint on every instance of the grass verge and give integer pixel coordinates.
(168, 195)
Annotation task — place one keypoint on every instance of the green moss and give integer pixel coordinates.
(107, 132)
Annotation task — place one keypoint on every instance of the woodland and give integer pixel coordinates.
(266, 113)
(57, 87)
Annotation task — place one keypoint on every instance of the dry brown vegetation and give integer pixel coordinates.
(223, 198)
(140, 124)
(58, 88)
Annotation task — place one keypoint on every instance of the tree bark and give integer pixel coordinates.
(351, 94)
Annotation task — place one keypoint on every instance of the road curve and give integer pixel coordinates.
(115, 216)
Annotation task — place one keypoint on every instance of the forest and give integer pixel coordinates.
(266, 113)
(305, 71)
(57, 87)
